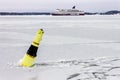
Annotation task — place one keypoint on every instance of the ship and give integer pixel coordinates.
(68, 12)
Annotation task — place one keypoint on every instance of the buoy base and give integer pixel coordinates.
(27, 61)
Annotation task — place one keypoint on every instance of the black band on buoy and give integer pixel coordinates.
(32, 51)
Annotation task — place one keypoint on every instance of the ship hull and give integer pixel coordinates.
(55, 14)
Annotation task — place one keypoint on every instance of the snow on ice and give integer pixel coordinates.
(72, 48)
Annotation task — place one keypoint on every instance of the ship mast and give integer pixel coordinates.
(73, 7)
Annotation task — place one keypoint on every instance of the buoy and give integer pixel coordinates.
(29, 58)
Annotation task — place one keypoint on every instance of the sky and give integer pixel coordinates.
(51, 5)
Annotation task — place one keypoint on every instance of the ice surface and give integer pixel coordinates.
(72, 48)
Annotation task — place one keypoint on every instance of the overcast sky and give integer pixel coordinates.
(51, 5)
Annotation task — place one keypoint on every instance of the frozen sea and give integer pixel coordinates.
(72, 48)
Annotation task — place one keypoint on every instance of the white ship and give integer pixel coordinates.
(68, 12)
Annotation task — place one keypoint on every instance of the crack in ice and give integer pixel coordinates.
(97, 70)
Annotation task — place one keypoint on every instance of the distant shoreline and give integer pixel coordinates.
(24, 13)
(112, 12)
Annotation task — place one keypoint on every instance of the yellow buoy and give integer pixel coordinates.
(29, 58)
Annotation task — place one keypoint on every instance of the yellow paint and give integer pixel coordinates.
(27, 61)
(37, 38)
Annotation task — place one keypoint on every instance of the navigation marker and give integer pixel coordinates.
(29, 58)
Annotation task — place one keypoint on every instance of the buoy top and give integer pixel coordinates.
(38, 37)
